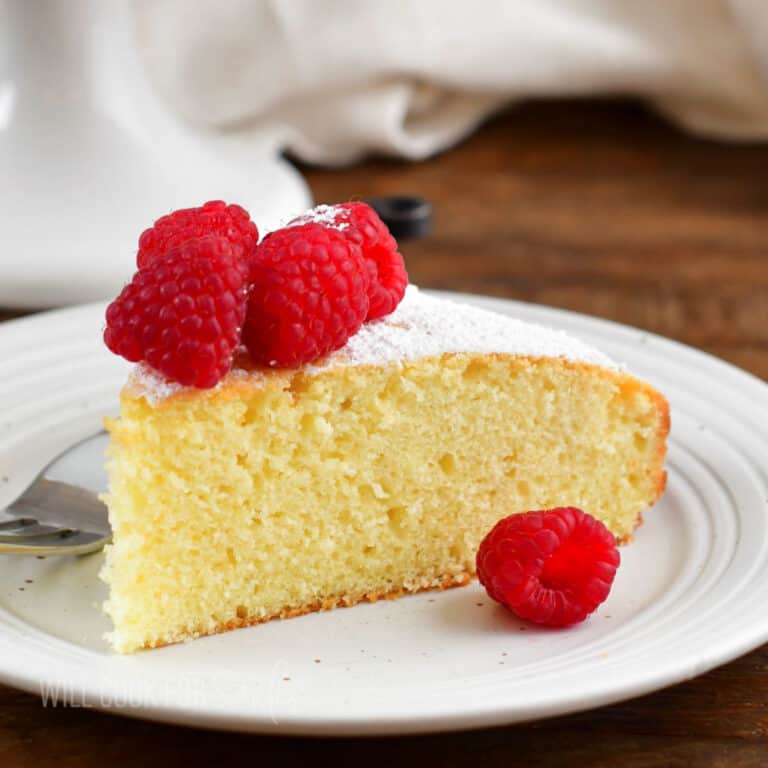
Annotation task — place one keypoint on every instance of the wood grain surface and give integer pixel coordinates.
(597, 207)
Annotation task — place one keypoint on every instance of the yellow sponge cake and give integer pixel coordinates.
(373, 473)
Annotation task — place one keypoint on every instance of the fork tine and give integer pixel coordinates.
(17, 524)
(32, 531)
(66, 542)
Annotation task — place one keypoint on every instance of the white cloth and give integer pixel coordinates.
(338, 79)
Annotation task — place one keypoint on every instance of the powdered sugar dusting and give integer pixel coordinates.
(152, 385)
(321, 214)
(425, 326)
(421, 326)
(145, 381)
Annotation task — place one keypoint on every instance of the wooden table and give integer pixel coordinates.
(603, 209)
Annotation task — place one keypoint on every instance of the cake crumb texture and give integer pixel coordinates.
(303, 490)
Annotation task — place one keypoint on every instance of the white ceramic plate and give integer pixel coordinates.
(691, 593)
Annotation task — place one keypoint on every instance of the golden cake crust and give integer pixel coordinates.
(326, 604)
(659, 472)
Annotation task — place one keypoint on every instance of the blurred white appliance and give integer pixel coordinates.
(89, 155)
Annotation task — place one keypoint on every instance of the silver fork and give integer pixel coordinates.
(54, 518)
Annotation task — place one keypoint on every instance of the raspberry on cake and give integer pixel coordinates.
(309, 294)
(212, 218)
(182, 313)
(360, 224)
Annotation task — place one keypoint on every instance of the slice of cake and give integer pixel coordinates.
(373, 473)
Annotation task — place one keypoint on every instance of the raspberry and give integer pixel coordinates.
(308, 295)
(362, 225)
(213, 218)
(183, 312)
(551, 567)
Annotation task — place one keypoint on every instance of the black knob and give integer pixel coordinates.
(406, 216)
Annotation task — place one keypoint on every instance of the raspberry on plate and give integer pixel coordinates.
(309, 294)
(183, 312)
(551, 567)
(213, 218)
(386, 270)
